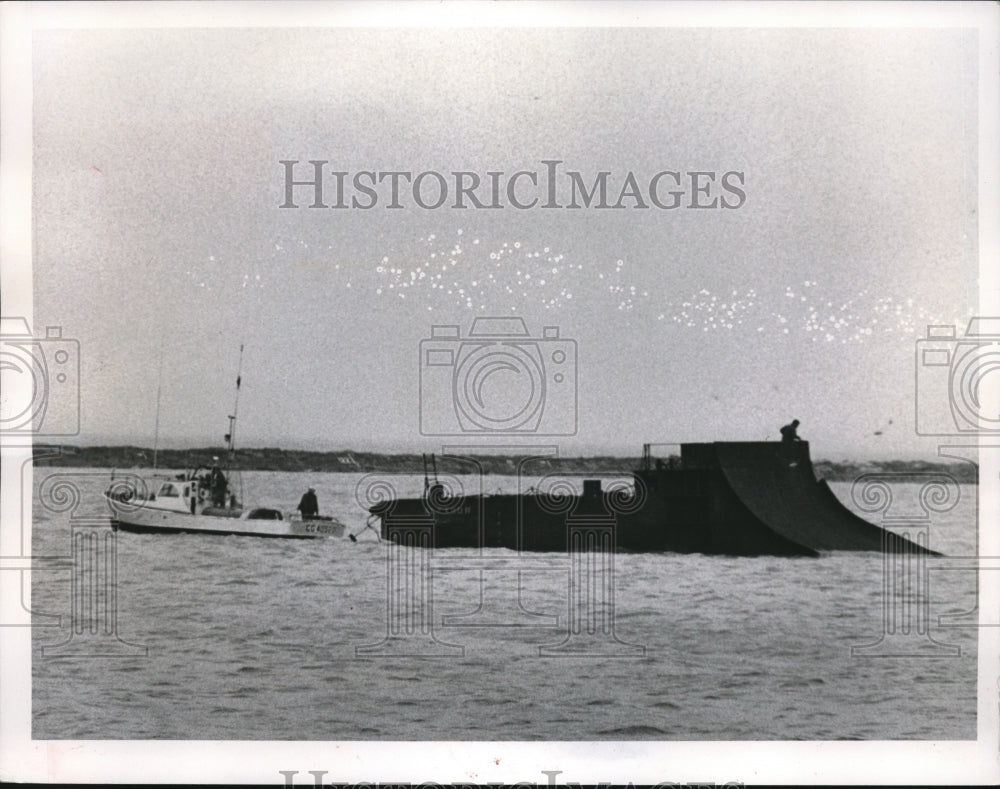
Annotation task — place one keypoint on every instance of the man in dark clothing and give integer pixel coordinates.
(789, 432)
(309, 506)
(218, 484)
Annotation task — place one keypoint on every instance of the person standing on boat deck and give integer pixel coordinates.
(309, 506)
(217, 483)
(789, 433)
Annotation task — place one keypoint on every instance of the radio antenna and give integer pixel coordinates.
(231, 435)
(159, 391)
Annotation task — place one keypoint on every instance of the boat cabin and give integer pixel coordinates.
(190, 493)
(180, 496)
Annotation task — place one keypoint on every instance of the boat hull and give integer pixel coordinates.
(151, 520)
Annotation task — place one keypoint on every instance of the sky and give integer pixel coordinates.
(160, 245)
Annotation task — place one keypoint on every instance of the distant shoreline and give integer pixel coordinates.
(349, 461)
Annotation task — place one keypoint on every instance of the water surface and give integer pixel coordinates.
(249, 638)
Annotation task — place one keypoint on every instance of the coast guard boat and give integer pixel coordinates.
(183, 503)
(204, 500)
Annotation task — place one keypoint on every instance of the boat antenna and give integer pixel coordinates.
(159, 391)
(231, 435)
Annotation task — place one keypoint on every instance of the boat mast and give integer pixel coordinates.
(231, 435)
(159, 391)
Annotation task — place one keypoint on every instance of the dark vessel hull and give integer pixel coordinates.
(736, 498)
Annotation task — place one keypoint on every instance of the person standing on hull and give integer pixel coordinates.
(789, 437)
(789, 433)
(309, 506)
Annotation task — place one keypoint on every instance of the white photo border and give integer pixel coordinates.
(205, 762)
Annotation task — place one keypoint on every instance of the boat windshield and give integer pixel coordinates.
(168, 489)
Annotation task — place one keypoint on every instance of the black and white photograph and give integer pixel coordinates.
(500, 392)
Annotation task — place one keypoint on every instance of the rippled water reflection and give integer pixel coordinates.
(256, 639)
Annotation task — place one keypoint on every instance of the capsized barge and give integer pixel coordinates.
(733, 498)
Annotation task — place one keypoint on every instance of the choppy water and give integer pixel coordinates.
(249, 638)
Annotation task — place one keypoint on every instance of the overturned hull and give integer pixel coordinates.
(736, 498)
(751, 498)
